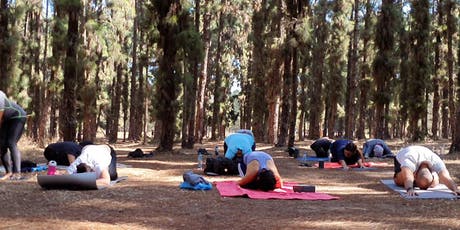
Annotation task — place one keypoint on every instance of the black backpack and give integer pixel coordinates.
(220, 166)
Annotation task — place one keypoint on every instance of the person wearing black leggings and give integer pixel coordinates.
(12, 121)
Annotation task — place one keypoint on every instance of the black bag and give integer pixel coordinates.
(220, 166)
(27, 166)
(138, 153)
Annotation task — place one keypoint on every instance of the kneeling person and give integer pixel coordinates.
(376, 148)
(261, 172)
(64, 153)
(100, 159)
(321, 146)
(346, 153)
(421, 167)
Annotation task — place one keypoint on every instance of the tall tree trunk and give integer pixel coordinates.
(420, 66)
(134, 103)
(273, 95)
(258, 77)
(455, 147)
(302, 101)
(202, 80)
(285, 99)
(316, 92)
(384, 64)
(168, 79)
(436, 77)
(451, 24)
(68, 122)
(44, 96)
(404, 46)
(364, 83)
(293, 98)
(218, 94)
(56, 63)
(350, 105)
(125, 99)
(112, 119)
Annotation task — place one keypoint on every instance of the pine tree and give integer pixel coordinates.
(420, 66)
(384, 65)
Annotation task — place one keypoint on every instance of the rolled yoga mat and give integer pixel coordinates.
(79, 181)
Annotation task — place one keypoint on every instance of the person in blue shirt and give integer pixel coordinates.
(12, 121)
(322, 146)
(238, 144)
(376, 148)
(346, 153)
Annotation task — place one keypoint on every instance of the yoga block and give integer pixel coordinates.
(321, 164)
(304, 188)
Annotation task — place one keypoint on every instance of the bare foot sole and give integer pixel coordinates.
(6, 176)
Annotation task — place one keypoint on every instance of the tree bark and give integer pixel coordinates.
(68, 108)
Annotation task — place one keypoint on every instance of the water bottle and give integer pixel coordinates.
(216, 150)
(51, 168)
(200, 160)
(304, 159)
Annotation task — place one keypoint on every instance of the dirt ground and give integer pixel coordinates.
(151, 199)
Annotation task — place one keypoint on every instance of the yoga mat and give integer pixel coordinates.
(438, 192)
(232, 189)
(79, 181)
(336, 165)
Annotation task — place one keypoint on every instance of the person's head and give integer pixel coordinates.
(350, 150)
(378, 150)
(82, 168)
(266, 180)
(424, 178)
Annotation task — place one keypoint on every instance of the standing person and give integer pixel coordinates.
(321, 146)
(64, 153)
(261, 172)
(100, 159)
(376, 148)
(12, 121)
(346, 153)
(421, 167)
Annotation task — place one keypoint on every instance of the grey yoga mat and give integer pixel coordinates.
(79, 181)
(438, 192)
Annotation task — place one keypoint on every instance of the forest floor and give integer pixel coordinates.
(150, 198)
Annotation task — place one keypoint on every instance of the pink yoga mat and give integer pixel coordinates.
(336, 165)
(232, 189)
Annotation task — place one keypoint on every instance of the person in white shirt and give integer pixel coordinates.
(100, 159)
(421, 167)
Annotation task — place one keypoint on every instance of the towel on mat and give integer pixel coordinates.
(336, 165)
(232, 189)
(438, 192)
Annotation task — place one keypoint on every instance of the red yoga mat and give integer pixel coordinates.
(232, 189)
(336, 165)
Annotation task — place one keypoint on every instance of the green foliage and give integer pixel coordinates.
(191, 44)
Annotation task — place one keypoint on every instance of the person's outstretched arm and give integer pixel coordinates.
(251, 174)
(407, 176)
